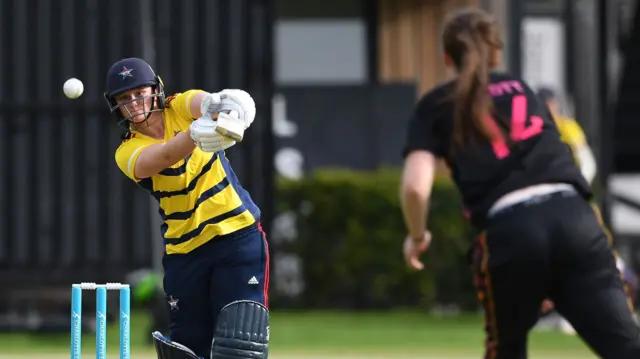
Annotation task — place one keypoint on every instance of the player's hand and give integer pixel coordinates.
(413, 248)
(203, 133)
(210, 105)
(240, 98)
(546, 306)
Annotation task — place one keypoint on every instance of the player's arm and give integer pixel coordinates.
(420, 153)
(138, 159)
(157, 157)
(415, 191)
(187, 104)
(196, 104)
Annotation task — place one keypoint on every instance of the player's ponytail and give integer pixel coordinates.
(471, 39)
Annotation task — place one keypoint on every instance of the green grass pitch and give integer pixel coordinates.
(320, 335)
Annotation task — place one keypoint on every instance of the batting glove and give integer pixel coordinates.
(227, 101)
(246, 103)
(210, 104)
(204, 135)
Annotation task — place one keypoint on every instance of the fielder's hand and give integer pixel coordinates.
(412, 249)
(203, 133)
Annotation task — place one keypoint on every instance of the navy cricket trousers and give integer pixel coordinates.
(198, 284)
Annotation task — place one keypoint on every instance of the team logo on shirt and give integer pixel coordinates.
(173, 303)
(168, 100)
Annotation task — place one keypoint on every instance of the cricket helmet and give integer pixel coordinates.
(131, 73)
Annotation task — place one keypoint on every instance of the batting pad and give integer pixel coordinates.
(167, 349)
(242, 332)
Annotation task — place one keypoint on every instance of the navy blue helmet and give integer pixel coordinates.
(128, 74)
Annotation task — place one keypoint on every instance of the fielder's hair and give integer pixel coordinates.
(471, 38)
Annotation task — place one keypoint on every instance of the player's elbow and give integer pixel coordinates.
(413, 190)
(415, 186)
(417, 177)
(143, 170)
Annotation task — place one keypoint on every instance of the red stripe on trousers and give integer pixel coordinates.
(266, 267)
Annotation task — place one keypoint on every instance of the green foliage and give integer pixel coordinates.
(350, 233)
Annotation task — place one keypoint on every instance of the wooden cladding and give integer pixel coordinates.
(409, 40)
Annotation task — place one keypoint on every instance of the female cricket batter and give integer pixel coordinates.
(216, 259)
(521, 187)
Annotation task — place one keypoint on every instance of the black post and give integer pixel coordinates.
(260, 84)
(516, 15)
(607, 30)
(371, 14)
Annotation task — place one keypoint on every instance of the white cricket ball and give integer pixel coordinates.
(73, 88)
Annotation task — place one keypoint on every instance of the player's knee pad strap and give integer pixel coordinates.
(167, 349)
(242, 332)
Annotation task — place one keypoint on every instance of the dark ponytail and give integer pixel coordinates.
(471, 38)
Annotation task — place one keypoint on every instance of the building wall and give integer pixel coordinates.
(409, 40)
(320, 43)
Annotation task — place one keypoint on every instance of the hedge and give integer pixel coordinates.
(350, 233)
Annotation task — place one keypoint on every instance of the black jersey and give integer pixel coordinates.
(485, 171)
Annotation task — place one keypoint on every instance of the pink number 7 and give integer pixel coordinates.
(519, 129)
